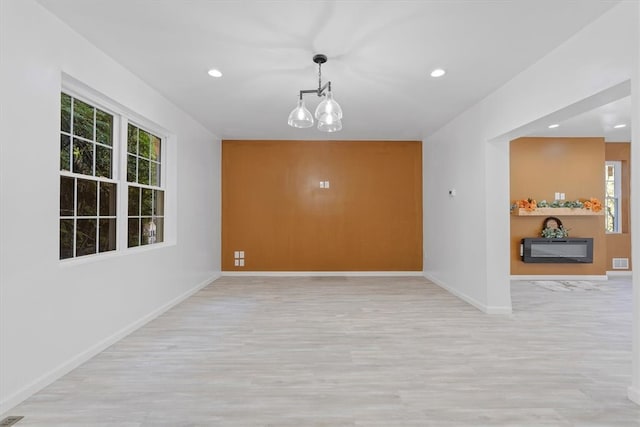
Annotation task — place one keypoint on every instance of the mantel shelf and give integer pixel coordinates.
(555, 212)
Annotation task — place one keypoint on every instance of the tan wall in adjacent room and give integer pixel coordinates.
(539, 168)
(369, 219)
(619, 244)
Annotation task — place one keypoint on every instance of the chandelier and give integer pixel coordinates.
(328, 113)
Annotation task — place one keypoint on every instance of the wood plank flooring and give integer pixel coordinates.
(337, 351)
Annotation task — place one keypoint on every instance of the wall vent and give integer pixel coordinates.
(9, 421)
(621, 263)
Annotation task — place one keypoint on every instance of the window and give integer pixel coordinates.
(88, 193)
(145, 194)
(612, 196)
(95, 162)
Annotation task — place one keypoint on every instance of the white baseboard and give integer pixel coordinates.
(619, 273)
(557, 277)
(466, 298)
(634, 395)
(66, 367)
(323, 273)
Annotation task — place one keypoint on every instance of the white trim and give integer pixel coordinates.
(620, 273)
(86, 93)
(496, 309)
(466, 298)
(633, 394)
(66, 367)
(122, 117)
(123, 190)
(69, 262)
(322, 273)
(558, 277)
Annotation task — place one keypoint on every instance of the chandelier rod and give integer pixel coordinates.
(318, 59)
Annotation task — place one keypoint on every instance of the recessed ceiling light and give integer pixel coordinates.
(553, 126)
(438, 72)
(215, 73)
(622, 125)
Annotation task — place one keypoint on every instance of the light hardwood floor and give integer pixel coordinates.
(358, 352)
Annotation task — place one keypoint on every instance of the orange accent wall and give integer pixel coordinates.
(539, 168)
(273, 209)
(619, 244)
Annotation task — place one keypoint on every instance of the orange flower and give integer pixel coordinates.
(527, 204)
(594, 204)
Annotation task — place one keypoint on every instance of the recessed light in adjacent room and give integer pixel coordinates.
(553, 126)
(620, 126)
(438, 72)
(215, 73)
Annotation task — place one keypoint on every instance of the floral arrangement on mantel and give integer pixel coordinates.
(529, 205)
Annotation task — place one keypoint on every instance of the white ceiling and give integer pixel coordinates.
(380, 56)
(599, 122)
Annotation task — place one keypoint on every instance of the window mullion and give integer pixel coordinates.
(93, 141)
(139, 216)
(71, 150)
(123, 190)
(98, 187)
(75, 214)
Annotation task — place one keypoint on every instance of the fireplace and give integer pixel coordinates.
(567, 250)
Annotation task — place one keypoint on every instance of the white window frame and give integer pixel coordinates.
(163, 170)
(122, 116)
(115, 173)
(617, 193)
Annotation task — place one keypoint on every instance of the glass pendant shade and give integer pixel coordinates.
(300, 117)
(329, 123)
(328, 106)
(328, 113)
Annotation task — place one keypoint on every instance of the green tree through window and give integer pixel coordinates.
(145, 223)
(88, 193)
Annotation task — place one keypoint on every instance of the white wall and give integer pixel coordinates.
(634, 389)
(54, 315)
(471, 258)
